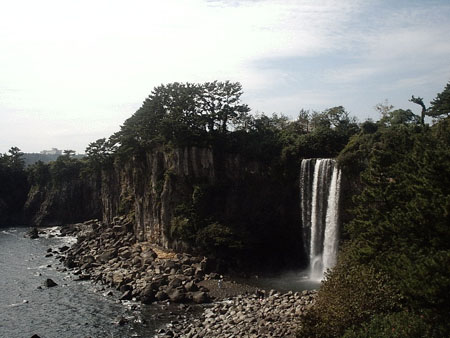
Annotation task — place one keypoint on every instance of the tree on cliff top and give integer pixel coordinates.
(13, 186)
(179, 112)
(13, 160)
(440, 106)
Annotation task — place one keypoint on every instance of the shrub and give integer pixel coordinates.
(402, 324)
(351, 295)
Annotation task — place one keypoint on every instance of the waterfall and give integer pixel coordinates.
(319, 194)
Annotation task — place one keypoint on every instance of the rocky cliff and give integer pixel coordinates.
(224, 202)
(71, 201)
(153, 185)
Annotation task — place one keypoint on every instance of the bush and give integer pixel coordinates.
(218, 239)
(402, 324)
(350, 296)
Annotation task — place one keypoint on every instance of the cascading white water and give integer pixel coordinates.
(319, 189)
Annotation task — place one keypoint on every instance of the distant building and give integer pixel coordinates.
(54, 151)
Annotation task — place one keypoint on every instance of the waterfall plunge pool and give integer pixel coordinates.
(295, 281)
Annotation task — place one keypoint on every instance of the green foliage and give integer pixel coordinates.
(184, 114)
(182, 228)
(39, 173)
(14, 160)
(402, 324)
(99, 153)
(65, 168)
(211, 114)
(218, 239)
(405, 232)
(399, 117)
(399, 231)
(13, 185)
(419, 101)
(318, 134)
(351, 295)
(369, 127)
(440, 106)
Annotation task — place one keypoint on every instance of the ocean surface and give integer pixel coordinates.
(70, 309)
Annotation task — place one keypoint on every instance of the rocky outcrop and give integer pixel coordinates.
(153, 185)
(66, 202)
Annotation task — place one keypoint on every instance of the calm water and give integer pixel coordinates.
(71, 309)
(288, 281)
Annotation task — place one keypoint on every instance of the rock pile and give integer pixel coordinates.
(257, 315)
(32, 233)
(111, 254)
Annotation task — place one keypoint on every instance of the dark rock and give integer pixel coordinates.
(83, 276)
(155, 284)
(199, 273)
(122, 321)
(204, 288)
(125, 254)
(174, 283)
(148, 256)
(214, 275)
(118, 228)
(161, 295)
(136, 261)
(64, 248)
(33, 233)
(127, 295)
(191, 286)
(49, 283)
(176, 295)
(86, 266)
(147, 295)
(70, 263)
(125, 287)
(200, 297)
(189, 271)
(88, 259)
(35, 336)
(107, 255)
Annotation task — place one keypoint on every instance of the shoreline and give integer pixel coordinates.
(209, 304)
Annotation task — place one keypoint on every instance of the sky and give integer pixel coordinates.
(72, 72)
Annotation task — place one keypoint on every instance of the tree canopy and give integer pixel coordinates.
(182, 112)
(440, 106)
(13, 185)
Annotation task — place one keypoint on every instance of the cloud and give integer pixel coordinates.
(65, 62)
(399, 42)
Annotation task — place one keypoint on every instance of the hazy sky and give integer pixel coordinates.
(72, 71)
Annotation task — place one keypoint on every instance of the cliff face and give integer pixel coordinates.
(222, 191)
(155, 185)
(13, 193)
(71, 201)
